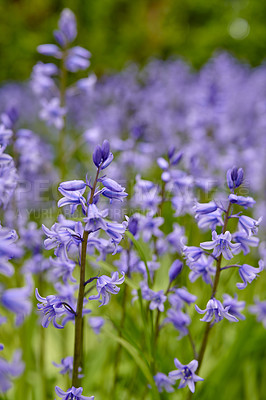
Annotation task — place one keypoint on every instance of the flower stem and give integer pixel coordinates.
(214, 289)
(78, 344)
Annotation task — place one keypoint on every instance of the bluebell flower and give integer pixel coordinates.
(5, 136)
(259, 309)
(234, 177)
(205, 208)
(41, 78)
(133, 224)
(62, 267)
(210, 220)
(8, 179)
(115, 231)
(235, 305)
(249, 225)
(177, 239)
(248, 274)
(186, 374)
(9, 117)
(66, 366)
(221, 245)
(73, 195)
(96, 323)
(215, 309)
(180, 321)
(64, 236)
(175, 270)
(95, 219)
(203, 267)
(77, 59)
(18, 301)
(67, 25)
(149, 227)
(49, 50)
(10, 370)
(163, 382)
(245, 202)
(53, 113)
(192, 253)
(245, 241)
(52, 308)
(106, 285)
(157, 301)
(72, 394)
(102, 157)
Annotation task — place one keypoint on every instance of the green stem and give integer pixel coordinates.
(78, 344)
(214, 289)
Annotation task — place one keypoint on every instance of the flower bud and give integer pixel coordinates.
(175, 270)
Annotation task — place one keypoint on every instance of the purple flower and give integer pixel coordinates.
(72, 192)
(102, 156)
(72, 394)
(234, 177)
(66, 366)
(157, 301)
(245, 202)
(179, 320)
(175, 270)
(96, 323)
(249, 225)
(18, 301)
(186, 373)
(95, 219)
(210, 220)
(53, 113)
(221, 245)
(52, 308)
(10, 370)
(49, 50)
(205, 208)
(245, 241)
(203, 268)
(248, 274)
(259, 309)
(192, 253)
(106, 285)
(235, 305)
(77, 59)
(215, 309)
(163, 382)
(67, 25)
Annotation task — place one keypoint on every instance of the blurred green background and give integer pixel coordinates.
(119, 31)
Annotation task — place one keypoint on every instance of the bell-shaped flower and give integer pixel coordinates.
(95, 219)
(221, 245)
(73, 195)
(72, 394)
(9, 370)
(249, 225)
(106, 285)
(215, 309)
(52, 308)
(163, 382)
(18, 301)
(186, 374)
(245, 202)
(248, 274)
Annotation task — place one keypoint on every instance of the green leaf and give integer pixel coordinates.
(141, 253)
(139, 361)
